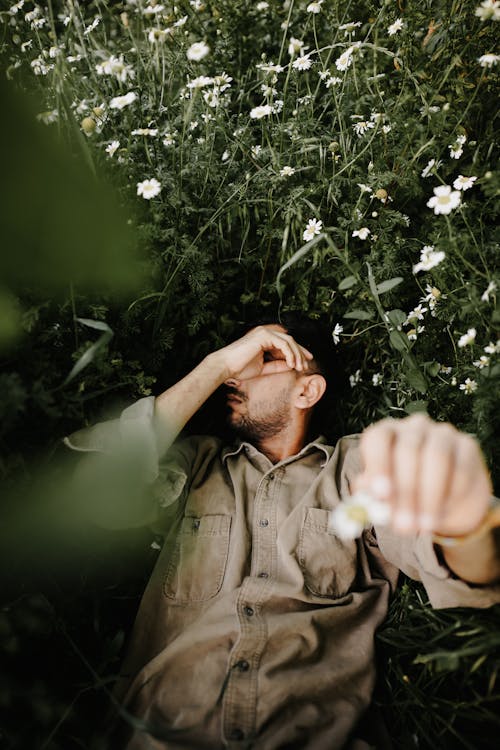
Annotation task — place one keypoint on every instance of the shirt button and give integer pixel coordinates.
(248, 611)
(237, 734)
(196, 524)
(264, 522)
(271, 477)
(263, 575)
(242, 665)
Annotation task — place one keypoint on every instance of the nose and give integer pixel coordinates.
(232, 382)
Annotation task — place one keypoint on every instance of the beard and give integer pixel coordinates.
(270, 419)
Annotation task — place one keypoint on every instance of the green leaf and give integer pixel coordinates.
(296, 257)
(89, 355)
(399, 341)
(396, 317)
(433, 368)
(417, 380)
(359, 314)
(347, 283)
(385, 286)
(416, 406)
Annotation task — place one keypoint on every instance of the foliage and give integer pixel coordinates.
(286, 161)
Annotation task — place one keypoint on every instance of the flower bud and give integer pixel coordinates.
(381, 194)
(88, 125)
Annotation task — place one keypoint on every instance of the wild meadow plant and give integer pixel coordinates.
(337, 157)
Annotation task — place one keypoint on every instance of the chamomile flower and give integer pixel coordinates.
(468, 338)
(377, 378)
(313, 227)
(197, 51)
(492, 348)
(360, 128)
(488, 60)
(468, 387)
(429, 258)
(112, 147)
(314, 7)
(263, 110)
(355, 514)
(119, 102)
(355, 378)
(148, 188)
(482, 362)
(151, 132)
(489, 10)
(336, 333)
(395, 27)
(362, 233)
(444, 199)
(492, 287)
(345, 60)
(287, 171)
(464, 183)
(295, 46)
(302, 63)
(349, 28)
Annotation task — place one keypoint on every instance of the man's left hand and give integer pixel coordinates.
(434, 476)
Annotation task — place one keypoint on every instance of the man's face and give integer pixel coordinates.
(261, 407)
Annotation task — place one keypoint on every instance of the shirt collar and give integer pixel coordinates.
(319, 444)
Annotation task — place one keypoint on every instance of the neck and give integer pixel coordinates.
(284, 444)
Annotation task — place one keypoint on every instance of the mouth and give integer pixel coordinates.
(234, 398)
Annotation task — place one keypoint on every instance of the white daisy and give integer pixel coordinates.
(429, 258)
(264, 110)
(151, 132)
(489, 10)
(377, 378)
(468, 338)
(488, 60)
(444, 199)
(482, 362)
(200, 82)
(119, 102)
(468, 387)
(492, 348)
(302, 63)
(349, 28)
(355, 379)
(287, 171)
(314, 7)
(362, 233)
(112, 147)
(356, 513)
(395, 27)
(360, 128)
(464, 183)
(492, 287)
(345, 60)
(336, 333)
(295, 46)
(313, 227)
(148, 188)
(197, 51)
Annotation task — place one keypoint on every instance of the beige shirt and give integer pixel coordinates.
(256, 629)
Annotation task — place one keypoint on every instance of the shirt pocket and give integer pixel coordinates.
(328, 564)
(196, 568)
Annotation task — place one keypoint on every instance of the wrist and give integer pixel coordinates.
(216, 364)
(489, 522)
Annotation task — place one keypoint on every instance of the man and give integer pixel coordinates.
(256, 629)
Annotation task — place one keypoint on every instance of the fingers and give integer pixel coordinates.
(433, 476)
(297, 357)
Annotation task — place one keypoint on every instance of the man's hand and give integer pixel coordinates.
(433, 476)
(262, 351)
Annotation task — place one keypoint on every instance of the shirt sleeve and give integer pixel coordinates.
(121, 481)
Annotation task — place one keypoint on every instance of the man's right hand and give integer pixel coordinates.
(263, 350)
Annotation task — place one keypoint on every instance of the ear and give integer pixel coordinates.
(311, 389)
